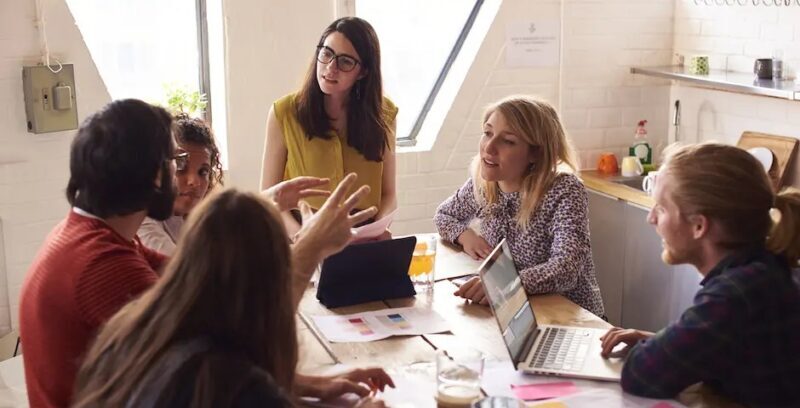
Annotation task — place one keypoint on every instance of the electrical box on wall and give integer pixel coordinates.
(50, 103)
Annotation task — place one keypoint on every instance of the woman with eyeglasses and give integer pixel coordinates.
(197, 170)
(338, 122)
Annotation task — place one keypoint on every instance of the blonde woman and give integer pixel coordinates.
(518, 192)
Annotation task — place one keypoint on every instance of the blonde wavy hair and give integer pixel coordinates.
(729, 186)
(538, 124)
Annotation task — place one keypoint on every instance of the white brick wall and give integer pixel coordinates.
(733, 37)
(31, 188)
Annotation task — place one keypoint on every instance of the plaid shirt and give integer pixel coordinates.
(741, 337)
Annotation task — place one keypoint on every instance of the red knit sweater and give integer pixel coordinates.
(83, 274)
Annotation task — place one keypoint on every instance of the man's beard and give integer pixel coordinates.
(163, 200)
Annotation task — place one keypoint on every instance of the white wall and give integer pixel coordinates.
(734, 37)
(269, 45)
(601, 101)
(32, 187)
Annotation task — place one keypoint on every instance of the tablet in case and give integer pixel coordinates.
(367, 272)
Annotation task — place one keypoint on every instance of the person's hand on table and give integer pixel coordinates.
(364, 382)
(473, 290)
(287, 194)
(474, 245)
(617, 335)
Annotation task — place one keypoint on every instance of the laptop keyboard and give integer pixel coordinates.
(562, 349)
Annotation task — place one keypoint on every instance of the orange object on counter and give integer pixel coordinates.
(607, 163)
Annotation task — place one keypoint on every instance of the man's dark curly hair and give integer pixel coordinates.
(195, 131)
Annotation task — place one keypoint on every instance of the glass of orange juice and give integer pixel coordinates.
(422, 264)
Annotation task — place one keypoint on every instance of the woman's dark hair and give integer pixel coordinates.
(229, 281)
(367, 127)
(195, 131)
(116, 156)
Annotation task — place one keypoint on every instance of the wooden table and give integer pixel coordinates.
(472, 326)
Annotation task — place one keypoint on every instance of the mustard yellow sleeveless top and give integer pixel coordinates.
(332, 158)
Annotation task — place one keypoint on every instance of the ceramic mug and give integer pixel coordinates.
(763, 68)
(631, 166)
(607, 163)
(649, 182)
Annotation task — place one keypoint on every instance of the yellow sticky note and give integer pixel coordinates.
(550, 404)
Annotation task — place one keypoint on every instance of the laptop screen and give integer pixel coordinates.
(508, 299)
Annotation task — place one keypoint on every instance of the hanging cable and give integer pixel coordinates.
(41, 25)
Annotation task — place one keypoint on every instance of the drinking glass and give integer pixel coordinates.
(421, 270)
(458, 377)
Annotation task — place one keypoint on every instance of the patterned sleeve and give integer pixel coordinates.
(688, 351)
(570, 248)
(454, 215)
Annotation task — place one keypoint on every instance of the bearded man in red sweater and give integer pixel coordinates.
(122, 164)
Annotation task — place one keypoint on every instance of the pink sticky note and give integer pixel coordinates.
(663, 404)
(530, 392)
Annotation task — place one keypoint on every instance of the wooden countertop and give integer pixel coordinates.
(602, 183)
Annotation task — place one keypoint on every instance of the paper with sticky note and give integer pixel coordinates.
(531, 392)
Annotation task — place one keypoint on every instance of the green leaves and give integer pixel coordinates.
(178, 98)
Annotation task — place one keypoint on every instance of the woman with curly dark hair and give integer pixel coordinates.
(198, 171)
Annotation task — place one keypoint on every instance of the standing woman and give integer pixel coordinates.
(339, 122)
(518, 192)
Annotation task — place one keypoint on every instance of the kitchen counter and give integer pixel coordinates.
(602, 183)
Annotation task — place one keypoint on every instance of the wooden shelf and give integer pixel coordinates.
(726, 81)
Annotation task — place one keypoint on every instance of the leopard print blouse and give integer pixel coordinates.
(554, 254)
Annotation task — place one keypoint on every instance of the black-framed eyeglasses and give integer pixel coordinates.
(344, 62)
(181, 161)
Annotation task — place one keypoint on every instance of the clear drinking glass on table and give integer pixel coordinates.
(421, 270)
(458, 377)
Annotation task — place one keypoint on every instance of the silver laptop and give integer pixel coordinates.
(541, 349)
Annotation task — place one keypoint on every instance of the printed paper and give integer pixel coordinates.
(380, 324)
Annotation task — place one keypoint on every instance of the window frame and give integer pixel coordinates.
(203, 63)
(348, 8)
(411, 138)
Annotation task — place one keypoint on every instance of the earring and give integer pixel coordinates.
(358, 91)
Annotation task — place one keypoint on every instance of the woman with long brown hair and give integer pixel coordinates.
(520, 191)
(338, 122)
(218, 329)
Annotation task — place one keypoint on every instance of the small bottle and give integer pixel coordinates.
(777, 65)
(640, 147)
